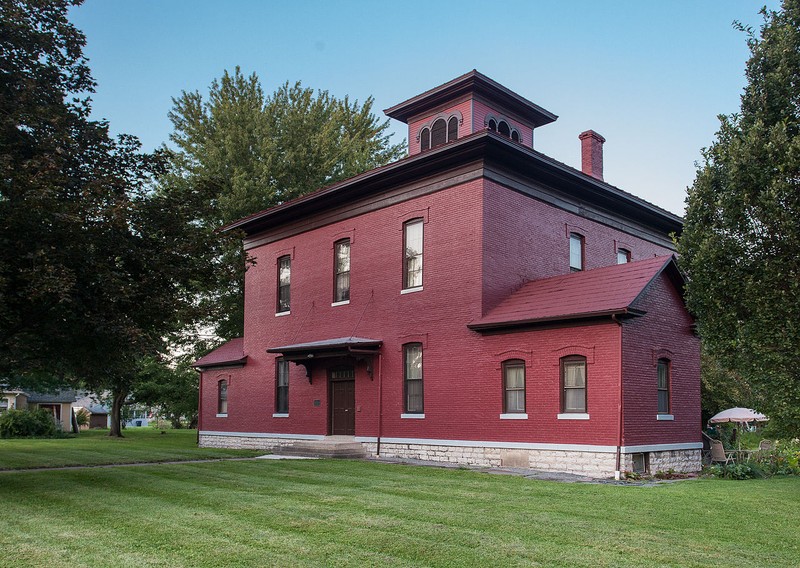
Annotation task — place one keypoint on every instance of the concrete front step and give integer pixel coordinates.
(329, 448)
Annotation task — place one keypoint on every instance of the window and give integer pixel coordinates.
(222, 397)
(281, 386)
(576, 254)
(623, 256)
(341, 270)
(412, 355)
(425, 139)
(439, 133)
(412, 254)
(514, 386)
(663, 386)
(284, 280)
(502, 127)
(573, 384)
(452, 129)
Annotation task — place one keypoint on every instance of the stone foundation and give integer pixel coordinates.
(597, 464)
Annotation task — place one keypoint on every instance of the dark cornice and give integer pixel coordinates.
(472, 82)
(506, 162)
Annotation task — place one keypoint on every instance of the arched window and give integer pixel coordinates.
(514, 386)
(452, 129)
(573, 384)
(438, 133)
(222, 397)
(515, 136)
(504, 129)
(492, 124)
(425, 139)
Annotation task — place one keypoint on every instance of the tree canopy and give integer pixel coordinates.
(97, 269)
(238, 151)
(741, 241)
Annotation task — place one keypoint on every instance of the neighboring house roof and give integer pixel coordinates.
(611, 290)
(90, 403)
(229, 353)
(52, 397)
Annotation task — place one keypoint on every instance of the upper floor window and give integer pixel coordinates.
(412, 365)
(282, 386)
(576, 251)
(663, 386)
(412, 254)
(502, 127)
(284, 282)
(341, 270)
(573, 384)
(623, 256)
(222, 397)
(439, 133)
(514, 386)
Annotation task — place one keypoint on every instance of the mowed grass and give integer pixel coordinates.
(350, 513)
(95, 447)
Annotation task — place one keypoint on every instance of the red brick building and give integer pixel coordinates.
(475, 302)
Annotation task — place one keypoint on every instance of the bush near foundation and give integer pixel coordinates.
(37, 423)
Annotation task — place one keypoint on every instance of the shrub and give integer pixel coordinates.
(27, 424)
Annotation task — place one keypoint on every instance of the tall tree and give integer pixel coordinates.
(239, 151)
(741, 242)
(97, 269)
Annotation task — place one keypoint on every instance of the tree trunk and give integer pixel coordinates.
(116, 414)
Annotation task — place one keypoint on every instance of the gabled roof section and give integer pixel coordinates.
(60, 396)
(472, 82)
(602, 292)
(228, 354)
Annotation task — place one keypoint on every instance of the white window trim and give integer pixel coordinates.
(409, 415)
(222, 415)
(342, 303)
(281, 415)
(573, 416)
(514, 416)
(665, 417)
(411, 290)
(279, 314)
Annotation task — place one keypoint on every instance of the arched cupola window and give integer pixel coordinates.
(440, 132)
(503, 127)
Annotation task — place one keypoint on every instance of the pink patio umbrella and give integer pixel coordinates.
(739, 416)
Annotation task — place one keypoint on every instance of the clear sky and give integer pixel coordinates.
(651, 77)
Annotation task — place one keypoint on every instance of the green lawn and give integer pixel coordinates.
(94, 447)
(349, 513)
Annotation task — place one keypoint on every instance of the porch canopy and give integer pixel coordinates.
(359, 348)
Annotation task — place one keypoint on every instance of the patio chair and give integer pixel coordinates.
(718, 453)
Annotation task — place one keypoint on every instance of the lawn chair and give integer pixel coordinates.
(718, 453)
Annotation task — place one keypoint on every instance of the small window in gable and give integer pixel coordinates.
(222, 397)
(623, 256)
(452, 129)
(425, 139)
(663, 386)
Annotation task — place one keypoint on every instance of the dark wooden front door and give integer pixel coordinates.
(343, 402)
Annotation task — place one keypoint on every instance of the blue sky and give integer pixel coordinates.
(651, 77)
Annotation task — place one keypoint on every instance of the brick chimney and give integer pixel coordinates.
(592, 154)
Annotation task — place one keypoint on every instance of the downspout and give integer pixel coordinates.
(199, 404)
(618, 469)
(380, 402)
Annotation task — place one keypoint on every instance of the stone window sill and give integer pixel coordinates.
(573, 416)
(222, 415)
(281, 415)
(411, 290)
(514, 416)
(405, 415)
(665, 417)
(280, 314)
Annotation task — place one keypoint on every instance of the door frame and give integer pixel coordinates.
(331, 381)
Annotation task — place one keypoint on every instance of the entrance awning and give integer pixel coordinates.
(306, 353)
